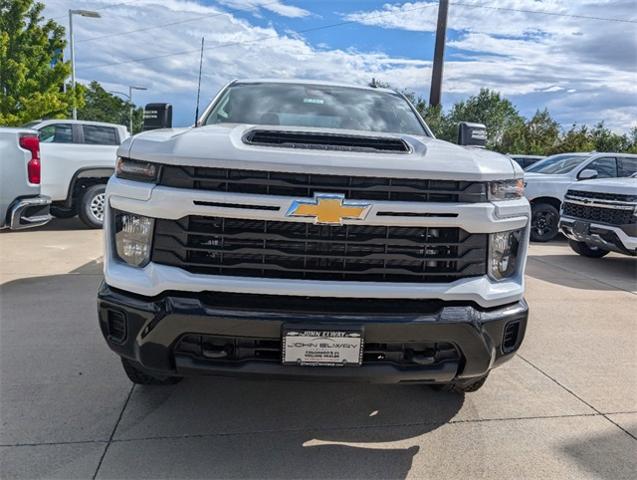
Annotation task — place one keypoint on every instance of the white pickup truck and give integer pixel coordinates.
(547, 181)
(314, 230)
(600, 216)
(21, 205)
(79, 157)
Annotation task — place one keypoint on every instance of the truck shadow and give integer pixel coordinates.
(206, 426)
(613, 272)
(597, 455)
(64, 224)
(290, 429)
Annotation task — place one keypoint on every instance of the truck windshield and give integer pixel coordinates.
(315, 106)
(563, 163)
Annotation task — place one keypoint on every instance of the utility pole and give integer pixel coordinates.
(439, 54)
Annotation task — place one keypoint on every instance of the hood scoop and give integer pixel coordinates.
(326, 141)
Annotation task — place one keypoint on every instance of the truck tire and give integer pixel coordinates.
(587, 251)
(59, 212)
(462, 388)
(93, 206)
(140, 376)
(544, 222)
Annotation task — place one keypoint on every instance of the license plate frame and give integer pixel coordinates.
(322, 346)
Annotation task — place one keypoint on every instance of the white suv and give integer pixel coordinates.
(547, 181)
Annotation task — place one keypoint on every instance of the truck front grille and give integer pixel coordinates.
(278, 249)
(613, 197)
(609, 215)
(305, 185)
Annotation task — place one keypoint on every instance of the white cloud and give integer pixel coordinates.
(274, 6)
(546, 66)
(525, 53)
(234, 49)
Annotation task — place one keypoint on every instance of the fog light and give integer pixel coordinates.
(133, 235)
(503, 253)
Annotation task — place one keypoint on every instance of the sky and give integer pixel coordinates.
(576, 58)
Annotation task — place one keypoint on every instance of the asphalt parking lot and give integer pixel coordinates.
(565, 407)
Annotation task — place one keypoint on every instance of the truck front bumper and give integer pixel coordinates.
(240, 335)
(616, 238)
(29, 212)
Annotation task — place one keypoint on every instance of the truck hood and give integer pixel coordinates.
(223, 146)
(626, 186)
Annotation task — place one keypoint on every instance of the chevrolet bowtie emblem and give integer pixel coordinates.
(328, 209)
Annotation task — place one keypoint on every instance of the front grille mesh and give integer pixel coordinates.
(618, 197)
(306, 185)
(277, 249)
(611, 216)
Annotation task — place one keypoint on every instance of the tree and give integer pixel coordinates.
(497, 113)
(32, 70)
(607, 141)
(632, 138)
(433, 116)
(509, 132)
(576, 139)
(534, 137)
(103, 106)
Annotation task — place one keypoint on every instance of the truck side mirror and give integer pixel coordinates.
(472, 134)
(158, 115)
(587, 174)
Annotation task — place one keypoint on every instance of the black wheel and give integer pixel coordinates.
(93, 206)
(140, 376)
(544, 221)
(59, 212)
(587, 250)
(462, 387)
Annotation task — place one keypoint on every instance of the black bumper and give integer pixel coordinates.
(463, 341)
(597, 234)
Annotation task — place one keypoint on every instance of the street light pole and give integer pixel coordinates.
(130, 99)
(83, 13)
(439, 54)
(72, 47)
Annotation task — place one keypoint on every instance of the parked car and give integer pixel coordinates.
(600, 216)
(526, 161)
(547, 181)
(79, 158)
(21, 204)
(314, 230)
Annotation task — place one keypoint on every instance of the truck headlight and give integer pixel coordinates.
(506, 189)
(136, 170)
(503, 253)
(133, 237)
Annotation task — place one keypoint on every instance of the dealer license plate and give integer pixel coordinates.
(330, 348)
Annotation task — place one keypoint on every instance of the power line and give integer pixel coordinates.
(350, 22)
(152, 27)
(260, 39)
(544, 12)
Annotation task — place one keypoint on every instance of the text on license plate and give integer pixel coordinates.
(322, 347)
